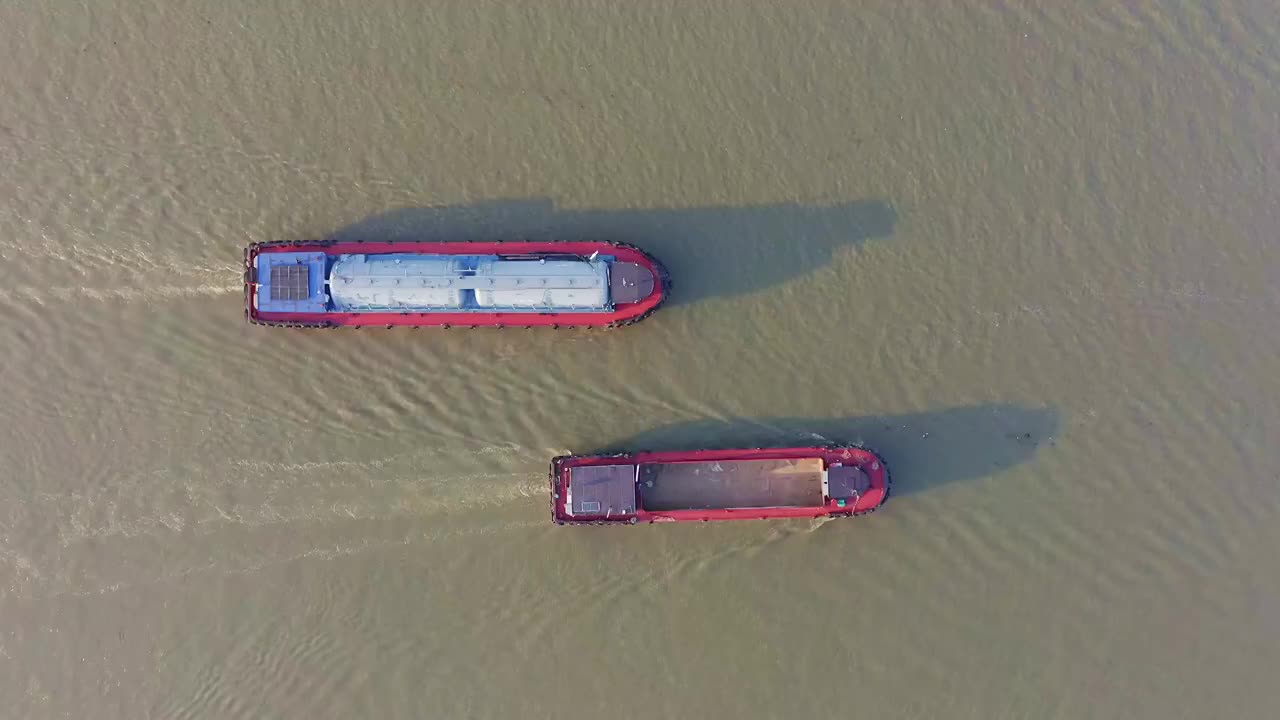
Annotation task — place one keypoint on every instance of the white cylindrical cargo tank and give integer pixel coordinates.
(553, 284)
(395, 282)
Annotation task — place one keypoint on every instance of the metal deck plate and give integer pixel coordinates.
(629, 282)
(290, 282)
(602, 490)
(846, 482)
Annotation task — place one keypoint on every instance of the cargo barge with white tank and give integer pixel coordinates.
(450, 284)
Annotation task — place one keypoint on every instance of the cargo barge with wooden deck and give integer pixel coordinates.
(450, 284)
(747, 484)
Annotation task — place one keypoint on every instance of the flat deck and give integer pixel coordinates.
(731, 484)
(629, 282)
(602, 490)
(290, 282)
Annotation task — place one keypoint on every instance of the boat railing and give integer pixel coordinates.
(526, 309)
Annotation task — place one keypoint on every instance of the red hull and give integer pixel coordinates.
(623, 314)
(870, 497)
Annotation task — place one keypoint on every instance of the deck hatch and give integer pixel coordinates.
(847, 482)
(290, 282)
(608, 490)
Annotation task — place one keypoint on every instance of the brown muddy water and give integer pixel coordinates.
(1026, 250)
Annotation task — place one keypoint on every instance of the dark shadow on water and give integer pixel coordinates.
(923, 450)
(710, 251)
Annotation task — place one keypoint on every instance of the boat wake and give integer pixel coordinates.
(34, 584)
(43, 296)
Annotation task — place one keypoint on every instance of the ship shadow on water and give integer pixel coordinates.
(710, 251)
(923, 450)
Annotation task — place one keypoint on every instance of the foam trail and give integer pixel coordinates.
(120, 294)
(277, 467)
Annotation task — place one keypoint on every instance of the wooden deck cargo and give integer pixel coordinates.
(731, 484)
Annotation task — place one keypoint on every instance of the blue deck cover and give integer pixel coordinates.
(291, 282)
